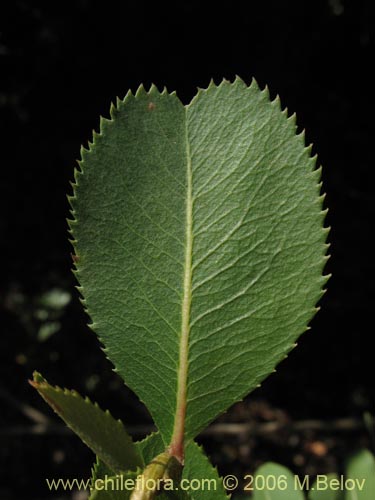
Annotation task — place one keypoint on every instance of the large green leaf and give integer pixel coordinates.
(106, 436)
(199, 242)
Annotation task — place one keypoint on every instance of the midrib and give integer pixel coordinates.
(177, 441)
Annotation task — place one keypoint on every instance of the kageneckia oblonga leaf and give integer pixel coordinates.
(106, 436)
(199, 246)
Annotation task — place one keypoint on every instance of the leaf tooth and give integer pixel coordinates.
(224, 83)
(308, 150)
(285, 113)
(327, 276)
(276, 103)
(83, 153)
(72, 219)
(79, 166)
(112, 110)
(128, 95)
(91, 143)
(324, 213)
(103, 123)
(266, 93)
(239, 81)
(120, 101)
(71, 197)
(302, 134)
(96, 136)
(322, 197)
(254, 85)
(319, 186)
(292, 121)
(75, 183)
(72, 222)
(72, 242)
(316, 171)
(140, 91)
(165, 91)
(82, 301)
(211, 85)
(200, 91)
(153, 90)
(106, 350)
(326, 257)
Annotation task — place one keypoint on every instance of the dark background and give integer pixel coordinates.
(61, 64)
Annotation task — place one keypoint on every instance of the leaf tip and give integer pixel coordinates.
(37, 379)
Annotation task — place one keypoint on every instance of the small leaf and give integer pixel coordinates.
(106, 436)
(328, 489)
(275, 482)
(199, 243)
(360, 477)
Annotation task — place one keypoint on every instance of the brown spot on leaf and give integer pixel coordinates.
(151, 106)
(75, 258)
